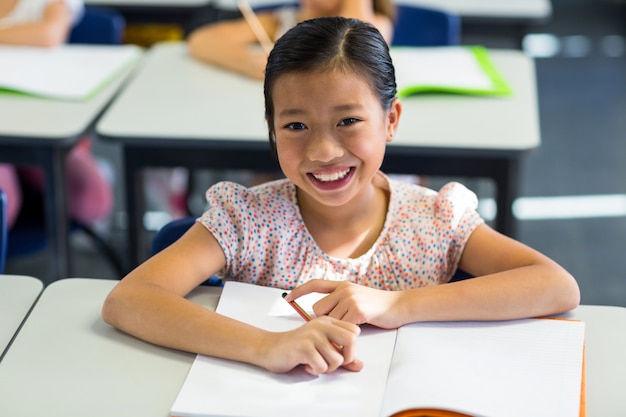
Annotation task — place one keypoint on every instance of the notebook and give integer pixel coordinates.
(490, 369)
(449, 69)
(66, 72)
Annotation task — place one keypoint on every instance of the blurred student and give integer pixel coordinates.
(47, 23)
(233, 44)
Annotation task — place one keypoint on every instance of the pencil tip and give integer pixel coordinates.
(284, 294)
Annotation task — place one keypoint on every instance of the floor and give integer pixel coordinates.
(581, 75)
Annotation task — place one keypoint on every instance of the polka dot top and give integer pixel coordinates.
(266, 242)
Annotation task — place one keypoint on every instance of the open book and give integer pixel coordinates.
(449, 69)
(66, 72)
(491, 369)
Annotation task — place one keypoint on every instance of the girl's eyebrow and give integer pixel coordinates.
(339, 108)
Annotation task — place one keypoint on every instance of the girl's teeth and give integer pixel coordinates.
(331, 177)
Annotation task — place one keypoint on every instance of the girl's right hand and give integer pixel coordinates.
(314, 346)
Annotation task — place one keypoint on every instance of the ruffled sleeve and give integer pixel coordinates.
(455, 211)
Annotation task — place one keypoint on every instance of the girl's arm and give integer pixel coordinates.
(512, 281)
(232, 45)
(52, 30)
(149, 303)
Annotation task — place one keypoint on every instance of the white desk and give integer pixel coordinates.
(41, 131)
(17, 295)
(67, 362)
(511, 10)
(205, 117)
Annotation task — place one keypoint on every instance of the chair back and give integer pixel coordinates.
(4, 227)
(170, 233)
(421, 26)
(99, 26)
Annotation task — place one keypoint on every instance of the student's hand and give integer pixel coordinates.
(314, 345)
(351, 302)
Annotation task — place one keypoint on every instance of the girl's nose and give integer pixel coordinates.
(324, 147)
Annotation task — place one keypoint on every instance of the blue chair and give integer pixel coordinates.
(3, 229)
(170, 233)
(421, 26)
(100, 26)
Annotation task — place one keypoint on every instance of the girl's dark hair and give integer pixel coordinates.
(331, 43)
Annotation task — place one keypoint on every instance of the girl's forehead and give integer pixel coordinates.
(319, 79)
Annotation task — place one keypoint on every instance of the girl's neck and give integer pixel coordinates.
(351, 230)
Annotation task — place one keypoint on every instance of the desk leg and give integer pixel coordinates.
(507, 184)
(55, 203)
(135, 207)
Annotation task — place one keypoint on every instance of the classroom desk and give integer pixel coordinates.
(39, 131)
(67, 362)
(18, 293)
(179, 112)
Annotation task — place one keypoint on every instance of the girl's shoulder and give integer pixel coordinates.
(452, 201)
(279, 193)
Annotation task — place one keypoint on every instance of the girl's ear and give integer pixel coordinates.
(393, 118)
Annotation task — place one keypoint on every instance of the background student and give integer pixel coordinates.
(383, 250)
(232, 44)
(47, 23)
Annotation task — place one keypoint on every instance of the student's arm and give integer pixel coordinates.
(51, 30)
(232, 45)
(512, 281)
(364, 10)
(149, 303)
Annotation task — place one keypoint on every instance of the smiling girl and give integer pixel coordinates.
(383, 251)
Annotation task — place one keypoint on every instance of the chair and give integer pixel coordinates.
(28, 234)
(169, 233)
(100, 26)
(3, 229)
(420, 26)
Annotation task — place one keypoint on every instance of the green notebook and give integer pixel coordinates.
(450, 69)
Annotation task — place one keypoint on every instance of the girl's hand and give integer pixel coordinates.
(314, 346)
(351, 302)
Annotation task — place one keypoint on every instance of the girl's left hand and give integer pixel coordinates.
(352, 302)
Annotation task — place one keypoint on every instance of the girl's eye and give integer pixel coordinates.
(349, 121)
(296, 126)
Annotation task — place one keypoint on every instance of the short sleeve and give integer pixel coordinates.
(230, 219)
(457, 216)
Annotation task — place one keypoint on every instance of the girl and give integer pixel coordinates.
(230, 44)
(382, 250)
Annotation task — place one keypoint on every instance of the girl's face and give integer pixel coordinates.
(331, 134)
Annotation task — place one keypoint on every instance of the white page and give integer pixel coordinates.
(216, 387)
(518, 368)
(67, 72)
(450, 67)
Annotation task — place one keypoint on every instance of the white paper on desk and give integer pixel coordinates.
(216, 387)
(515, 368)
(460, 70)
(66, 72)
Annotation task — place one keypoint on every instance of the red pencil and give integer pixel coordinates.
(299, 309)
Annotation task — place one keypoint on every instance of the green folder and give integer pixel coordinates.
(451, 69)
